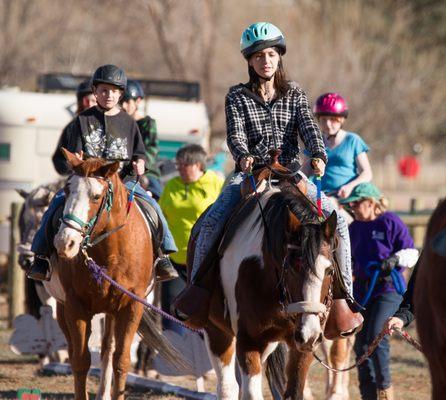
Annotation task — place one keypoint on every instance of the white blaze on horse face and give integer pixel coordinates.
(68, 240)
(311, 330)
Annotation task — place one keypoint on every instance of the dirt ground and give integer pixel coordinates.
(409, 371)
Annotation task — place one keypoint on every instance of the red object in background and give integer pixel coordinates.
(409, 166)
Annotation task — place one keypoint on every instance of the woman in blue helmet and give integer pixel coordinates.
(268, 112)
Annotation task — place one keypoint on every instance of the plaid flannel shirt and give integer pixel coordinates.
(254, 127)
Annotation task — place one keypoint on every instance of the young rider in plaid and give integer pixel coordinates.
(268, 112)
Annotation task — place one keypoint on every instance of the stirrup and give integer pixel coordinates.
(40, 269)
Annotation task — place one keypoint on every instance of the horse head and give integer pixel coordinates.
(317, 267)
(89, 191)
(305, 251)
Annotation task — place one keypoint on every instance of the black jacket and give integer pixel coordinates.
(114, 138)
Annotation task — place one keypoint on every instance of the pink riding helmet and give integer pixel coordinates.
(331, 104)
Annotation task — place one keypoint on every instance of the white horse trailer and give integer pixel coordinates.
(31, 124)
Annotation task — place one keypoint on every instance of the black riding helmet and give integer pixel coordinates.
(110, 74)
(133, 90)
(83, 89)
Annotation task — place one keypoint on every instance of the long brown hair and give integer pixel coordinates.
(281, 84)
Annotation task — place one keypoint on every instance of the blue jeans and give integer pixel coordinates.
(221, 210)
(374, 373)
(155, 188)
(40, 244)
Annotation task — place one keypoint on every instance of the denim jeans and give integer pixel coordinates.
(40, 244)
(374, 373)
(155, 188)
(220, 211)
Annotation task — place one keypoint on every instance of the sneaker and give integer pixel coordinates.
(40, 269)
(165, 270)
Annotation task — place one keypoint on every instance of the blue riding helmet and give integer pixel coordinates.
(259, 36)
(133, 90)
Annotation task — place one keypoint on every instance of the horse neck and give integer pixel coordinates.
(119, 206)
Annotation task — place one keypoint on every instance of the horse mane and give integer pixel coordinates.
(89, 166)
(291, 199)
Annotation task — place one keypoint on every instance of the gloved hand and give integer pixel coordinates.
(389, 264)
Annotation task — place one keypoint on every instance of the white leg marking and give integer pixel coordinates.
(227, 386)
(252, 386)
(105, 383)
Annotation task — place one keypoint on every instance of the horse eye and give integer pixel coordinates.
(96, 197)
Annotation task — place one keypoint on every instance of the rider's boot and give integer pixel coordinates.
(192, 306)
(193, 303)
(164, 269)
(40, 269)
(344, 318)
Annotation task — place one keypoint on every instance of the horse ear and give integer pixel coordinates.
(70, 157)
(22, 193)
(329, 225)
(108, 169)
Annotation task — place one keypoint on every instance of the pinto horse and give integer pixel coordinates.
(275, 276)
(430, 302)
(96, 220)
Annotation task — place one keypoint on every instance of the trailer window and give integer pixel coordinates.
(5, 151)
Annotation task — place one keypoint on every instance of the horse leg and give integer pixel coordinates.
(326, 348)
(249, 356)
(339, 353)
(60, 315)
(107, 350)
(221, 350)
(297, 370)
(126, 323)
(78, 324)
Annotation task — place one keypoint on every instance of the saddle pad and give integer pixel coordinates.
(156, 227)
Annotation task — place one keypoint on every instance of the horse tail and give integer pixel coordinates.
(153, 338)
(275, 371)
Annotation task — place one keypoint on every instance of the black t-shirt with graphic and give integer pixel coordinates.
(112, 137)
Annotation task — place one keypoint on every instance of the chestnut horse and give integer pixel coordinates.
(95, 220)
(430, 303)
(275, 274)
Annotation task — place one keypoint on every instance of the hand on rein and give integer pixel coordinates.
(139, 166)
(318, 166)
(246, 163)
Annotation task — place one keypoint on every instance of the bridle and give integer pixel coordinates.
(86, 228)
(291, 308)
